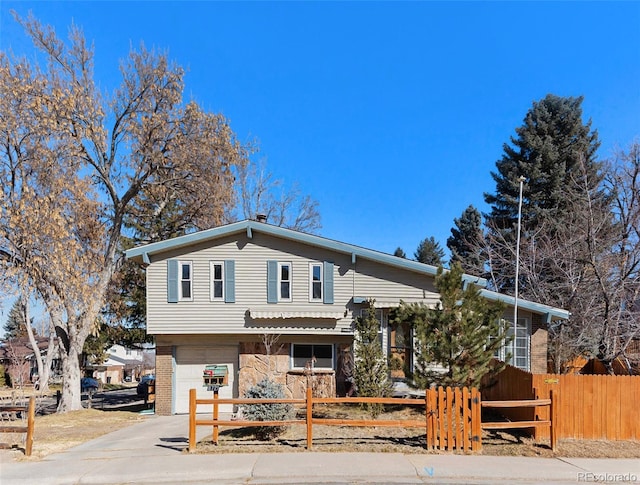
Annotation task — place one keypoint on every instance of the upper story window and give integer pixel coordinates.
(186, 281)
(284, 281)
(280, 282)
(315, 281)
(217, 280)
(179, 281)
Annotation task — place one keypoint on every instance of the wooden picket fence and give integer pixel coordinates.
(452, 416)
(597, 407)
(453, 419)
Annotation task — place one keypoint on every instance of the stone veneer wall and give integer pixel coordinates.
(539, 336)
(164, 370)
(255, 365)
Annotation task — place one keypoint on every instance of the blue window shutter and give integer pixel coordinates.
(172, 281)
(327, 272)
(230, 281)
(272, 282)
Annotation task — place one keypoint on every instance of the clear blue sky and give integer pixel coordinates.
(391, 115)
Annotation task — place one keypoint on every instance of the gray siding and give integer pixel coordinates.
(388, 285)
(202, 316)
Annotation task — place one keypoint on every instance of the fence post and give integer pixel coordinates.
(427, 419)
(536, 416)
(30, 422)
(553, 416)
(215, 415)
(192, 420)
(309, 418)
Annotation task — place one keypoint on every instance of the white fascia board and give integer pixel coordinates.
(552, 312)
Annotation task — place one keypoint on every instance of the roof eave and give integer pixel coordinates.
(142, 253)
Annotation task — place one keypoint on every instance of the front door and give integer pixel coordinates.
(399, 349)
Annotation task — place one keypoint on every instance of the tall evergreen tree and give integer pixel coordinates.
(465, 242)
(553, 150)
(15, 326)
(547, 151)
(429, 252)
(460, 335)
(399, 252)
(566, 219)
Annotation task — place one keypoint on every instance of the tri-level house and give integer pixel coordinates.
(264, 300)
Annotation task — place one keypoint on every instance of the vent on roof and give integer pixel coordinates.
(261, 217)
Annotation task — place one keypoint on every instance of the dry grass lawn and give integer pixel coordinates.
(58, 432)
(55, 433)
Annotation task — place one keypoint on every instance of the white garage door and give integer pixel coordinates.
(190, 363)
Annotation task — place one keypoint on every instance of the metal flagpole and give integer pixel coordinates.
(521, 180)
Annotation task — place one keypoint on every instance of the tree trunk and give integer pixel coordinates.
(71, 337)
(46, 370)
(608, 365)
(34, 345)
(71, 394)
(72, 334)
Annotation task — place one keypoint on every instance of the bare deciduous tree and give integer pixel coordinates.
(77, 162)
(261, 193)
(269, 340)
(617, 271)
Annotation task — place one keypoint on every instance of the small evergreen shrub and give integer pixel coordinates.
(371, 369)
(267, 389)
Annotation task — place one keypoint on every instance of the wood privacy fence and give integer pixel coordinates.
(451, 417)
(10, 412)
(587, 406)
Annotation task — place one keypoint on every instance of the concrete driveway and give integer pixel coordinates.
(152, 451)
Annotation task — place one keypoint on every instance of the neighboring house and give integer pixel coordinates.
(19, 360)
(122, 364)
(217, 296)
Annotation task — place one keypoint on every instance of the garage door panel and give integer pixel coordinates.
(190, 362)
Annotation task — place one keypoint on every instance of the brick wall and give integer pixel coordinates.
(539, 336)
(164, 375)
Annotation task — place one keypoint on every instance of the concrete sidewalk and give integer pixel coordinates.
(151, 452)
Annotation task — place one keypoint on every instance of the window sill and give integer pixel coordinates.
(303, 372)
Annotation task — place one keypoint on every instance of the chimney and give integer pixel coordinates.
(261, 218)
